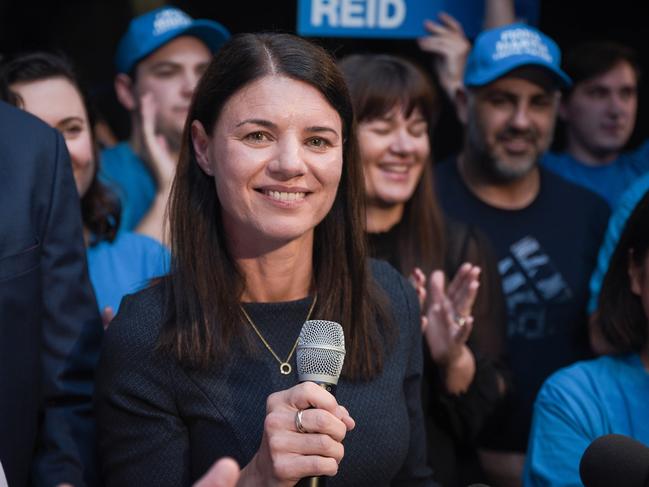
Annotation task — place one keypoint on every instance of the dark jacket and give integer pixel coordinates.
(50, 329)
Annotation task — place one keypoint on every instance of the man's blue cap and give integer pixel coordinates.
(498, 51)
(154, 29)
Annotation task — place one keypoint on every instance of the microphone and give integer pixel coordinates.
(615, 461)
(320, 355)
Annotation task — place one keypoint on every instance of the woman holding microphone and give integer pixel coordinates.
(266, 223)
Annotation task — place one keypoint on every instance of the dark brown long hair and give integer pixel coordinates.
(100, 209)
(205, 284)
(620, 314)
(378, 83)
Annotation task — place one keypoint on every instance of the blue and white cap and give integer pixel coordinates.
(152, 30)
(498, 51)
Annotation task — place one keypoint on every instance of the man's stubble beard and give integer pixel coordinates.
(488, 166)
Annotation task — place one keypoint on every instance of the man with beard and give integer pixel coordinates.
(546, 231)
(159, 61)
(599, 113)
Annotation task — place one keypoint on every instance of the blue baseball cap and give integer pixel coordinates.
(154, 29)
(498, 51)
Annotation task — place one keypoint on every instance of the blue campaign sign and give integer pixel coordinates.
(382, 18)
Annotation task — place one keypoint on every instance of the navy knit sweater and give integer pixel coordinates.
(163, 425)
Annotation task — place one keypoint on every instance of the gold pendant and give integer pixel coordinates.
(285, 368)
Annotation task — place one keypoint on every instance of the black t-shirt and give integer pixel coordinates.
(546, 253)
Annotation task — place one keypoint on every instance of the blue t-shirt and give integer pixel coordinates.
(623, 209)
(577, 405)
(131, 179)
(608, 180)
(124, 266)
(546, 254)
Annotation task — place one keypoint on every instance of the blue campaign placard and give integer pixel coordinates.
(395, 18)
(382, 18)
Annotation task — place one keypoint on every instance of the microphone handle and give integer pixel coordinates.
(312, 482)
(318, 481)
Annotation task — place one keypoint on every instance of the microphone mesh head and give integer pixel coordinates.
(320, 351)
(615, 460)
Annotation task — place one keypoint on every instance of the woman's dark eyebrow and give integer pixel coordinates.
(257, 121)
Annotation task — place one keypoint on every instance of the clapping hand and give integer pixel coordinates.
(447, 321)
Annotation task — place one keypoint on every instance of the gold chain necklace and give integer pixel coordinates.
(284, 367)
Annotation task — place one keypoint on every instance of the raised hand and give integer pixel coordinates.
(450, 47)
(162, 162)
(163, 165)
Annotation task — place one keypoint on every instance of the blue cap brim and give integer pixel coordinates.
(503, 68)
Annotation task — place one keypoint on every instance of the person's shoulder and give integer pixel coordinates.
(131, 254)
(581, 379)
(153, 257)
(384, 273)
(560, 187)
(131, 356)
(556, 160)
(139, 321)
(132, 241)
(400, 292)
(129, 245)
(558, 184)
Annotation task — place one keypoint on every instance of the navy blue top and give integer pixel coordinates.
(162, 424)
(546, 253)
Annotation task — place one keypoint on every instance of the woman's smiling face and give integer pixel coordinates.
(394, 149)
(276, 155)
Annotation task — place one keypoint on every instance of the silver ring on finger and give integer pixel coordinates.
(460, 320)
(298, 421)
